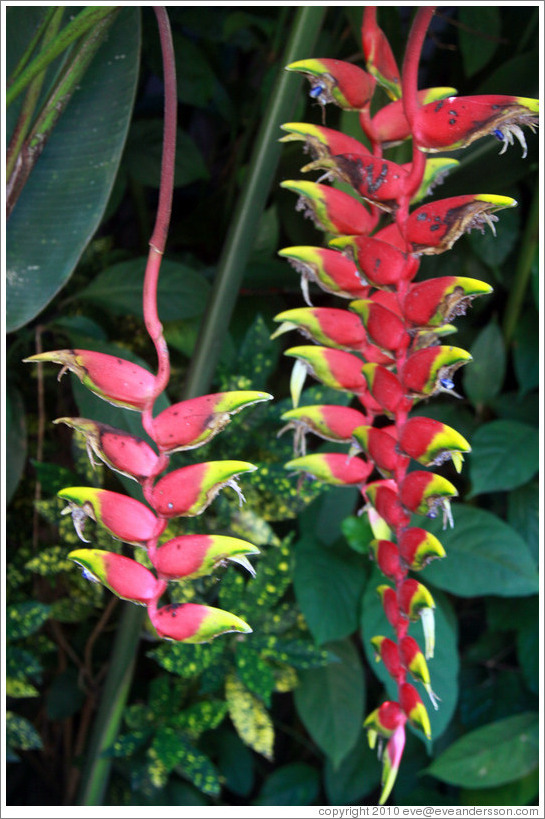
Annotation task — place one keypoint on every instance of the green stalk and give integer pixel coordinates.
(60, 96)
(85, 20)
(243, 228)
(24, 120)
(42, 26)
(517, 292)
(112, 703)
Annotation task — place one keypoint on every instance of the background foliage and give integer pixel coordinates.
(274, 718)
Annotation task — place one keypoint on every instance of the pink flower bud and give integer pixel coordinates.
(414, 709)
(434, 302)
(418, 547)
(430, 370)
(384, 327)
(422, 492)
(431, 442)
(192, 423)
(193, 623)
(380, 446)
(390, 123)
(123, 517)
(191, 556)
(330, 209)
(335, 468)
(348, 86)
(384, 497)
(189, 490)
(380, 263)
(387, 557)
(334, 368)
(384, 386)
(329, 269)
(124, 576)
(380, 60)
(387, 651)
(389, 604)
(118, 381)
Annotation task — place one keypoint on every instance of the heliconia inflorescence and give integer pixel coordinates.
(186, 425)
(387, 346)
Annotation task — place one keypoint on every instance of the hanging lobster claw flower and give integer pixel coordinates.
(422, 492)
(435, 172)
(383, 721)
(124, 576)
(389, 604)
(329, 269)
(380, 263)
(387, 651)
(123, 517)
(348, 86)
(188, 491)
(384, 386)
(435, 227)
(416, 603)
(328, 326)
(434, 302)
(456, 122)
(333, 468)
(379, 58)
(412, 657)
(117, 381)
(331, 422)
(391, 760)
(121, 451)
(380, 445)
(334, 368)
(192, 423)
(384, 497)
(432, 443)
(330, 209)
(430, 370)
(321, 141)
(386, 555)
(193, 623)
(378, 181)
(418, 547)
(384, 327)
(414, 708)
(192, 556)
(390, 123)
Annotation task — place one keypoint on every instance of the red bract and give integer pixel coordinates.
(378, 181)
(329, 269)
(456, 122)
(189, 490)
(336, 81)
(381, 264)
(435, 302)
(390, 123)
(334, 468)
(330, 209)
(322, 141)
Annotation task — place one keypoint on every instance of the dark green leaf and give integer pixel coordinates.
(523, 515)
(513, 74)
(23, 619)
(526, 352)
(528, 649)
(182, 292)
(235, 762)
(256, 674)
(67, 192)
(358, 533)
(185, 659)
(478, 36)
(484, 556)
(483, 377)
(331, 702)
(200, 717)
(21, 663)
(498, 753)
(16, 442)
(299, 653)
(504, 456)
(328, 582)
(142, 157)
(293, 784)
(20, 733)
(521, 792)
(444, 665)
(65, 697)
(356, 776)
(510, 405)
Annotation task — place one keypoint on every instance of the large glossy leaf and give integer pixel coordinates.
(444, 665)
(293, 784)
(478, 35)
(65, 197)
(330, 702)
(483, 378)
(500, 752)
(329, 583)
(181, 294)
(484, 556)
(504, 456)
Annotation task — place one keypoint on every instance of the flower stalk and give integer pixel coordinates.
(402, 357)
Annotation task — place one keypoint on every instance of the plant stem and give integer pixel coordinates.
(522, 272)
(118, 681)
(54, 107)
(411, 61)
(41, 27)
(85, 20)
(243, 228)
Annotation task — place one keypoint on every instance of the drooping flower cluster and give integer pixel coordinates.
(183, 492)
(388, 349)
